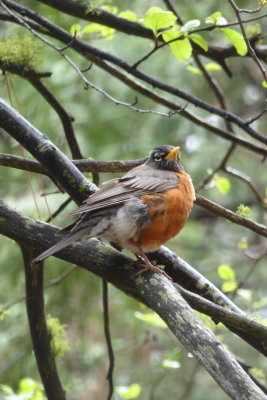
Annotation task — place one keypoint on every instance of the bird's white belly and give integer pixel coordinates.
(118, 228)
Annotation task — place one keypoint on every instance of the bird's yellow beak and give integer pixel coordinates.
(173, 154)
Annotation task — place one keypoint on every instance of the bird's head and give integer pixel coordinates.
(165, 157)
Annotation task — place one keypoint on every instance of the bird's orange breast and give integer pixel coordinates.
(167, 212)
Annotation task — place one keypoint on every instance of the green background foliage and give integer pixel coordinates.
(145, 362)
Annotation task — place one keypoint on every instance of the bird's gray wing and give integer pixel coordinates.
(137, 182)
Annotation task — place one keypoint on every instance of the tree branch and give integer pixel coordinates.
(231, 216)
(46, 153)
(109, 264)
(91, 52)
(38, 328)
(163, 299)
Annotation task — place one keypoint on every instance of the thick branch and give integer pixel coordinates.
(169, 104)
(123, 166)
(154, 290)
(38, 328)
(111, 265)
(46, 153)
(82, 11)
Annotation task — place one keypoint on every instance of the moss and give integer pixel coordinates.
(58, 336)
(70, 178)
(25, 52)
(83, 188)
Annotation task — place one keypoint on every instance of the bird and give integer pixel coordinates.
(140, 211)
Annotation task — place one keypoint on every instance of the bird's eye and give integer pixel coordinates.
(157, 157)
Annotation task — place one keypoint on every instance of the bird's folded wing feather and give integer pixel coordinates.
(137, 182)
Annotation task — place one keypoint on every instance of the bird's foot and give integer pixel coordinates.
(155, 269)
(150, 265)
(142, 260)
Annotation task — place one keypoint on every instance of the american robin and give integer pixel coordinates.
(139, 211)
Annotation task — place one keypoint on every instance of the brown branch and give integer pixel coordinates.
(91, 53)
(108, 338)
(38, 328)
(225, 316)
(163, 299)
(151, 94)
(110, 264)
(250, 48)
(231, 216)
(245, 178)
(123, 166)
(65, 118)
(46, 153)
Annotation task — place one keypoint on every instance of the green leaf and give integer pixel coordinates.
(128, 14)
(242, 244)
(216, 19)
(159, 19)
(212, 66)
(182, 48)
(170, 364)
(75, 29)
(129, 392)
(190, 26)
(226, 272)
(199, 41)
(111, 9)
(229, 286)
(244, 211)
(264, 84)
(253, 30)
(237, 40)
(105, 31)
(172, 358)
(151, 318)
(194, 70)
(27, 385)
(6, 389)
(222, 184)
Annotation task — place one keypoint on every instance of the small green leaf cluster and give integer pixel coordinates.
(164, 24)
(58, 336)
(129, 392)
(28, 389)
(222, 184)
(172, 359)
(227, 273)
(244, 211)
(24, 51)
(105, 31)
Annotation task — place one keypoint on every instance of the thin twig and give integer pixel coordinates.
(250, 48)
(52, 282)
(93, 53)
(108, 338)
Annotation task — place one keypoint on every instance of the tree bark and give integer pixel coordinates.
(152, 289)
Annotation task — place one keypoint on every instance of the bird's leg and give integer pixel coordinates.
(150, 266)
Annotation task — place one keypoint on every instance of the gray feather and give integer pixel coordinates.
(137, 182)
(58, 246)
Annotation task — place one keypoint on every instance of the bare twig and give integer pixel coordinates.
(250, 48)
(108, 338)
(52, 282)
(231, 216)
(91, 53)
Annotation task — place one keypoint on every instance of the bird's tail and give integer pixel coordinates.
(73, 237)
